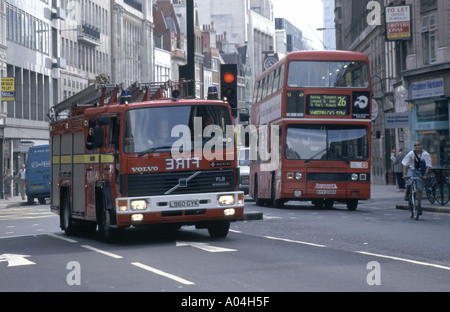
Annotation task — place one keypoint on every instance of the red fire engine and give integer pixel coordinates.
(140, 158)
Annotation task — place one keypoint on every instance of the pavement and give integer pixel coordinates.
(381, 195)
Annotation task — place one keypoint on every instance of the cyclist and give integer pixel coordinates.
(412, 168)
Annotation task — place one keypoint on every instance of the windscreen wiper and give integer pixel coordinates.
(313, 156)
(151, 150)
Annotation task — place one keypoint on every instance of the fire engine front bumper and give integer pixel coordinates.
(185, 209)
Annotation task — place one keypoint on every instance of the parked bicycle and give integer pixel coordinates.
(442, 191)
(413, 199)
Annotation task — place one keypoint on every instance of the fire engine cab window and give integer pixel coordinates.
(149, 129)
(328, 74)
(328, 142)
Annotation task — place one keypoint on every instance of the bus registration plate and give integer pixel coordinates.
(326, 192)
(184, 203)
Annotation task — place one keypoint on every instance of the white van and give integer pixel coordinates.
(244, 169)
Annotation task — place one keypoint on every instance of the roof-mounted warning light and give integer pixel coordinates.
(213, 93)
(125, 97)
(176, 94)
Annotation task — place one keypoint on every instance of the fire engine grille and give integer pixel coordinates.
(186, 182)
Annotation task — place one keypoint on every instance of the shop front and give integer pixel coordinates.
(429, 104)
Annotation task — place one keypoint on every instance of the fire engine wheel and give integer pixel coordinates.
(65, 220)
(104, 225)
(219, 229)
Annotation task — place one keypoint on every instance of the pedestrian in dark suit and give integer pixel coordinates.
(398, 169)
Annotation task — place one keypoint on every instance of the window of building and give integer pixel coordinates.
(429, 37)
(432, 112)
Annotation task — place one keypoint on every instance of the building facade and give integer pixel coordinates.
(132, 41)
(246, 24)
(289, 38)
(410, 78)
(427, 78)
(30, 66)
(83, 45)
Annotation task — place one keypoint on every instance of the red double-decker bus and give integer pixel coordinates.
(318, 104)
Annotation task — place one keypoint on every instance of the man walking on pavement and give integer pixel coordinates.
(398, 169)
(412, 168)
(21, 176)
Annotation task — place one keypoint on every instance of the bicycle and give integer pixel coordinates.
(430, 187)
(413, 199)
(442, 189)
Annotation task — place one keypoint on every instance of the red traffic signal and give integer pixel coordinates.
(228, 85)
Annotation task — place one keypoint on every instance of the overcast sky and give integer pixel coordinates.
(307, 15)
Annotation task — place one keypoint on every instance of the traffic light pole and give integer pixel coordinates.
(190, 74)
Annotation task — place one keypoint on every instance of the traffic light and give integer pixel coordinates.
(228, 86)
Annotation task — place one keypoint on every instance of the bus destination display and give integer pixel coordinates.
(328, 105)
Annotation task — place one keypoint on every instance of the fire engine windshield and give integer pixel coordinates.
(150, 129)
(327, 142)
(328, 74)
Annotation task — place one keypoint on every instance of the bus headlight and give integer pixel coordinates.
(139, 204)
(354, 177)
(298, 175)
(225, 200)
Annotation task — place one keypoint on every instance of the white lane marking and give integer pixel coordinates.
(62, 238)
(405, 260)
(294, 241)
(106, 253)
(204, 246)
(162, 273)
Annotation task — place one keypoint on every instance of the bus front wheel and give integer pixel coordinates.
(352, 204)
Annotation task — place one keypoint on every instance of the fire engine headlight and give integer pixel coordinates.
(137, 217)
(354, 177)
(225, 200)
(229, 212)
(139, 204)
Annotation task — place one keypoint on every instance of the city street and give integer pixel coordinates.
(294, 249)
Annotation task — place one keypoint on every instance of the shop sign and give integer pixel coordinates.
(396, 120)
(426, 89)
(398, 23)
(8, 88)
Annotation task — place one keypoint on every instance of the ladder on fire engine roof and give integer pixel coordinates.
(100, 94)
(91, 96)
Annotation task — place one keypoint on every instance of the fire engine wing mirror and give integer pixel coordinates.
(103, 120)
(244, 117)
(98, 137)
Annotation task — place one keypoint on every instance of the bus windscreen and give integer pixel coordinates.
(328, 74)
(327, 142)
